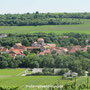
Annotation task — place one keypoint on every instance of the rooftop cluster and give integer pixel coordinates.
(41, 48)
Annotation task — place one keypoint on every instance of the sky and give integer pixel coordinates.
(43, 6)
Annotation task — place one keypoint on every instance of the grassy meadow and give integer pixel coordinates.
(59, 29)
(6, 72)
(22, 81)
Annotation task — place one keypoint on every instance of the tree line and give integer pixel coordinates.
(34, 19)
(78, 62)
(59, 40)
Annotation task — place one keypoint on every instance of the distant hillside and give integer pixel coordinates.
(34, 19)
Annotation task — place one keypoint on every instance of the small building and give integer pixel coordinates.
(37, 70)
(19, 46)
(51, 45)
(42, 53)
(59, 50)
(41, 41)
(86, 73)
(47, 46)
(44, 47)
(87, 40)
(16, 52)
(70, 74)
(33, 49)
(74, 74)
(74, 49)
(35, 44)
(3, 50)
(65, 37)
(3, 35)
(57, 70)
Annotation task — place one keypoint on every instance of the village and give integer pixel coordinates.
(45, 45)
(42, 48)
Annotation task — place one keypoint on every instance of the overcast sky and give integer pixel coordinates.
(24, 6)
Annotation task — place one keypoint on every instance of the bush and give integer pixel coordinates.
(9, 88)
(82, 86)
(62, 71)
(50, 70)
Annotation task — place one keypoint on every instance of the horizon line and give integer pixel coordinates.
(44, 12)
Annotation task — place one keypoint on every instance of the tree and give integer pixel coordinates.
(37, 12)
(3, 64)
(76, 66)
(32, 61)
(26, 53)
(88, 50)
(47, 61)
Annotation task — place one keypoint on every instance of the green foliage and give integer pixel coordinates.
(69, 86)
(11, 72)
(31, 61)
(59, 40)
(63, 71)
(88, 50)
(58, 29)
(78, 62)
(26, 53)
(42, 19)
(82, 86)
(9, 88)
(9, 78)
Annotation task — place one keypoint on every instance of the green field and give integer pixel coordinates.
(9, 78)
(10, 71)
(60, 29)
(22, 81)
(12, 77)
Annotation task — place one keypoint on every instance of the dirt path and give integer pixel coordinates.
(22, 73)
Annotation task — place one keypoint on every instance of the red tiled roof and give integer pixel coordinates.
(21, 47)
(63, 48)
(51, 45)
(47, 51)
(75, 49)
(35, 42)
(85, 49)
(33, 48)
(18, 44)
(40, 39)
(2, 49)
(42, 53)
(16, 51)
(23, 54)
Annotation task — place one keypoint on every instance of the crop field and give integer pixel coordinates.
(11, 77)
(22, 81)
(6, 72)
(59, 29)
